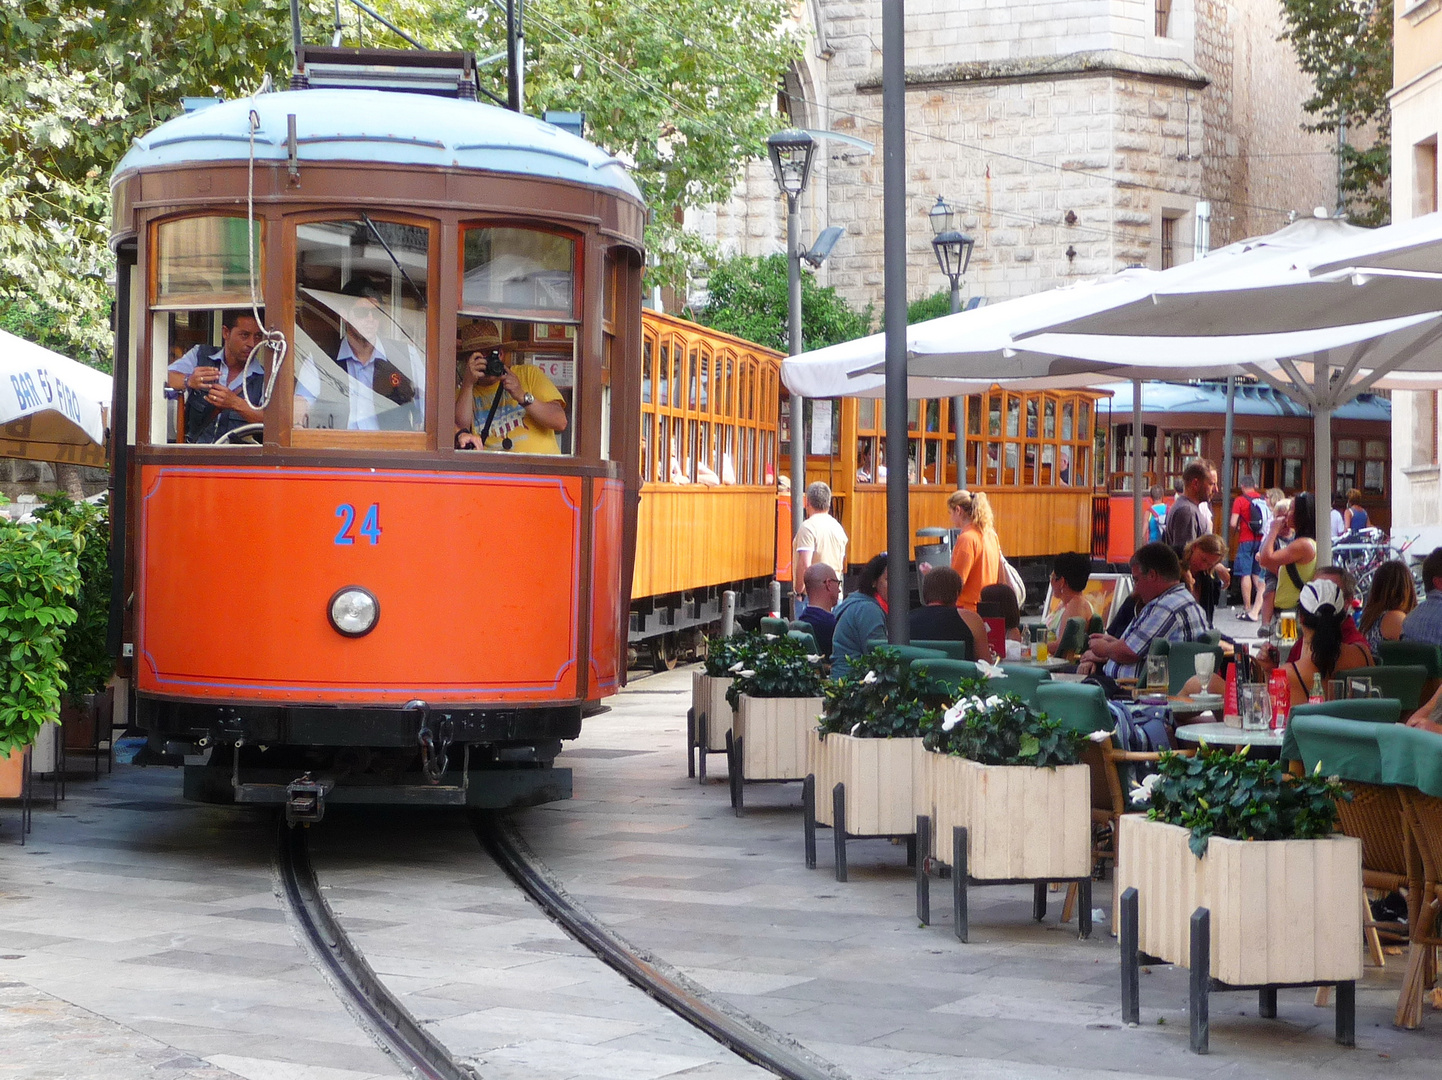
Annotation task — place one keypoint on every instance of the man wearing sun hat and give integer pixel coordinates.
(531, 410)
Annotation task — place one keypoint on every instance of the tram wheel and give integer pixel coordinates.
(663, 653)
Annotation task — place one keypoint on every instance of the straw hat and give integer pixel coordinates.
(477, 334)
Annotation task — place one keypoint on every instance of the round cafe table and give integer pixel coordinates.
(1265, 740)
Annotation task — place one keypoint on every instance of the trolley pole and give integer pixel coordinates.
(898, 507)
(794, 345)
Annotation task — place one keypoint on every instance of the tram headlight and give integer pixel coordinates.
(354, 611)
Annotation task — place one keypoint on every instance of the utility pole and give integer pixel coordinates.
(898, 494)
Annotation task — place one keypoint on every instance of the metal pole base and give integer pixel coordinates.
(838, 828)
(923, 882)
(808, 818)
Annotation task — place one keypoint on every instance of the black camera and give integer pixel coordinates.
(495, 367)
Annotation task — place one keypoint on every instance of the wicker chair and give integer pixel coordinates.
(1375, 816)
(1424, 814)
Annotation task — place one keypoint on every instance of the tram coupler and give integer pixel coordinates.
(305, 799)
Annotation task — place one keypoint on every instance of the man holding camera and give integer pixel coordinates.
(531, 410)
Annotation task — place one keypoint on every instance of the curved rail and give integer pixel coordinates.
(414, 1048)
(739, 1032)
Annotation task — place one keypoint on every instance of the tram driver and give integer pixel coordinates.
(221, 381)
(530, 412)
(374, 382)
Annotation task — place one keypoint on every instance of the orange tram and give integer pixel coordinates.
(341, 598)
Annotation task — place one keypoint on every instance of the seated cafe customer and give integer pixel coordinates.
(939, 619)
(823, 587)
(1424, 622)
(860, 617)
(1166, 610)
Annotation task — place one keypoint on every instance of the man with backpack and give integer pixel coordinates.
(1250, 517)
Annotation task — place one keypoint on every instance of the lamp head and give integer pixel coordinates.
(953, 252)
(943, 217)
(791, 153)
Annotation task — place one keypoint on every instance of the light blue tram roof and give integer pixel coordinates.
(1251, 400)
(373, 125)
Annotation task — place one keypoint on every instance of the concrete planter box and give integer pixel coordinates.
(1023, 823)
(884, 778)
(708, 699)
(774, 734)
(45, 752)
(1282, 911)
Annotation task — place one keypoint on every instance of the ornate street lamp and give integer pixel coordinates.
(952, 247)
(791, 154)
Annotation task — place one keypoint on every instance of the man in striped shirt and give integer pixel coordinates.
(1165, 610)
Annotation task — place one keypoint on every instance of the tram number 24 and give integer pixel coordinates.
(370, 526)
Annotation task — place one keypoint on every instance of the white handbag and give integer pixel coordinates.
(1012, 580)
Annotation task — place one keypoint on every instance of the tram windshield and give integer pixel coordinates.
(516, 341)
(209, 373)
(361, 297)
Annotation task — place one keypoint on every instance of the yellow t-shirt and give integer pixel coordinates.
(511, 420)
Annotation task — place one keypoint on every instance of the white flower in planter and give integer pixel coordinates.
(993, 701)
(1102, 736)
(771, 637)
(738, 665)
(813, 658)
(855, 727)
(869, 678)
(960, 711)
(748, 674)
(1142, 793)
(989, 671)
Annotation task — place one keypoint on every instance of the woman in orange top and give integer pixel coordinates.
(977, 553)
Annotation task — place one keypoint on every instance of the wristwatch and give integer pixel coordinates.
(527, 399)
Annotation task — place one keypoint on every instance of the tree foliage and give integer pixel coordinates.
(680, 91)
(929, 307)
(749, 298)
(1346, 48)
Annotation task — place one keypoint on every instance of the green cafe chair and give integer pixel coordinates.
(1073, 638)
(956, 650)
(1401, 681)
(772, 625)
(911, 653)
(1020, 680)
(948, 671)
(808, 641)
(1181, 665)
(1095, 625)
(1082, 707)
(1375, 710)
(1394, 653)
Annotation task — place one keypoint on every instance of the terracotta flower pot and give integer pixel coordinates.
(12, 774)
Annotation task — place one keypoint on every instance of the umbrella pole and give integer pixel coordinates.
(1227, 478)
(898, 509)
(1139, 514)
(1322, 452)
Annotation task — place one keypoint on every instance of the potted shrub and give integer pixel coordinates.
(1255, 847)
(776, 701)
(1012, 777)
(87, 658)
(870, 741)
(38, 581)
(710, 719)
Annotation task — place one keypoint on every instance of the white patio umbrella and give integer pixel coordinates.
(51, 408)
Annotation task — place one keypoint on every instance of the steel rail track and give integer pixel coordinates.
(414, 1048)
(742, 1034)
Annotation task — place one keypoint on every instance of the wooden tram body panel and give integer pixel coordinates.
(502, 578)
(709, 404)
(1041, 507)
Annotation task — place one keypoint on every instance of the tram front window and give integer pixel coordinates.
(208, 372)
(361, 290)
(516, 337)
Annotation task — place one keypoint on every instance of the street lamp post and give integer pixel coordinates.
(953, 255)
(791, 154)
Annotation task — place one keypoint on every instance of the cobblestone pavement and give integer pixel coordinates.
(142, 939)
(846, 969)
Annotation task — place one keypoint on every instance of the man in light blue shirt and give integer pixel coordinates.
(372, 386)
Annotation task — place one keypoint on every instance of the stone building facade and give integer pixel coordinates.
(1075, 136)
(1416, 125)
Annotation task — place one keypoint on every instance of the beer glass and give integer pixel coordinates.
(1158, 674)
(1256, 706)
(1287, 626)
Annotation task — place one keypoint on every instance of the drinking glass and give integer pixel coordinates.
(1158, 674)
(1287, 626)
(1336, 689)
(1360, 686)
(1256, 706)
(1204, 664)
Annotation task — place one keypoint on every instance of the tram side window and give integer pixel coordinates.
(361, 294)
(517, 337)
(209, 372)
